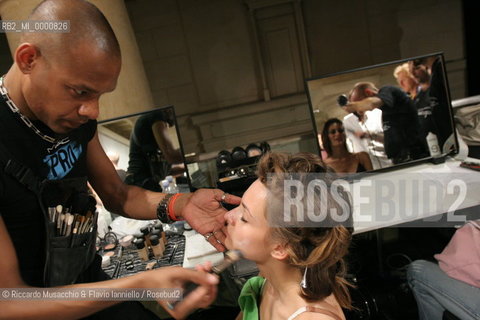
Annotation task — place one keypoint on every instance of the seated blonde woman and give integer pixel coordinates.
(301, 264)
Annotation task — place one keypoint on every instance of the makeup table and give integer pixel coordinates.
(172, 256)
(187, 250)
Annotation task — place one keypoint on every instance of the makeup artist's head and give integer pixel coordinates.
(63, 75)
(333, 135)
(257, 229)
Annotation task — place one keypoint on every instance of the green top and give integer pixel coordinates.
(251, 293)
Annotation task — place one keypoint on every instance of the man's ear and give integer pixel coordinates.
(279, 252)
(26, 56)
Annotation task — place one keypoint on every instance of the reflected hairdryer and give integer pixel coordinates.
(342, 100)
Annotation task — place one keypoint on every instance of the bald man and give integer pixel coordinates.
(49, 147)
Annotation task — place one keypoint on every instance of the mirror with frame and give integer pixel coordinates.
(145, 148)
(382, 116)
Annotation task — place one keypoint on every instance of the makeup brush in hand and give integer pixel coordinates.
(231, 257)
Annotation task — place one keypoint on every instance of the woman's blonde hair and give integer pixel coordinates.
(402, 68)
(320, 248)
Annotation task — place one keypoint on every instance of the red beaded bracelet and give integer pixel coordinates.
(171, 204)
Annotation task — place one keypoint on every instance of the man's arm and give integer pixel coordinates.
(202, 209)
(364, 105)
(63, 309)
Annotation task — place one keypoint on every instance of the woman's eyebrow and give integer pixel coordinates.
(247, 209)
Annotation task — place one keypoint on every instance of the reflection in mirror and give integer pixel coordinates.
(145, 148)
(385, 115)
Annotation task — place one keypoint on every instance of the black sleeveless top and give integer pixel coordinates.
(19, 207)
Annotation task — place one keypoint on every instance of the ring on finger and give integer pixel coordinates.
(208, 235)
(224, 196)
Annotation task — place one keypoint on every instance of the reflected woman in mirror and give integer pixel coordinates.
(407, 81)
(338, 157)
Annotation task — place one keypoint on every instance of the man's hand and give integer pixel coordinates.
(176, 277)
(204, 212)
(350, 107)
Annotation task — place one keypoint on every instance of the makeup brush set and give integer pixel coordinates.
(72, 223)
(67, 223)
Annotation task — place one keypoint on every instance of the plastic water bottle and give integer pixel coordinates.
(173, 186)
(165, 186)
(433, 146)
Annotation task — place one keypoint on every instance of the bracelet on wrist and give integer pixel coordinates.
(166, 208)
(162, 208)
(171, 207)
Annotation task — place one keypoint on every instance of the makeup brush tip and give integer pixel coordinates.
(235, 255)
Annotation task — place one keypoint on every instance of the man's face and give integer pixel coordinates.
(63, 93)
(419, 72)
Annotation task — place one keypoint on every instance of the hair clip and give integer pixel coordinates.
(303, 283)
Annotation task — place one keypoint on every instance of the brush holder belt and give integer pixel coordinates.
(68, 255)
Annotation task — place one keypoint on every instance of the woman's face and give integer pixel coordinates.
(336, 134)
(407, 82)
(247, 228)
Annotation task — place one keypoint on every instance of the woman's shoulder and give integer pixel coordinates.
(326, 309)
(364, 159)
(362, 155)
(318, 313)
(327, 159)
(315, 316)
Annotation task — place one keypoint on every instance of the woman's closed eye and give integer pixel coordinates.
(243, 219)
